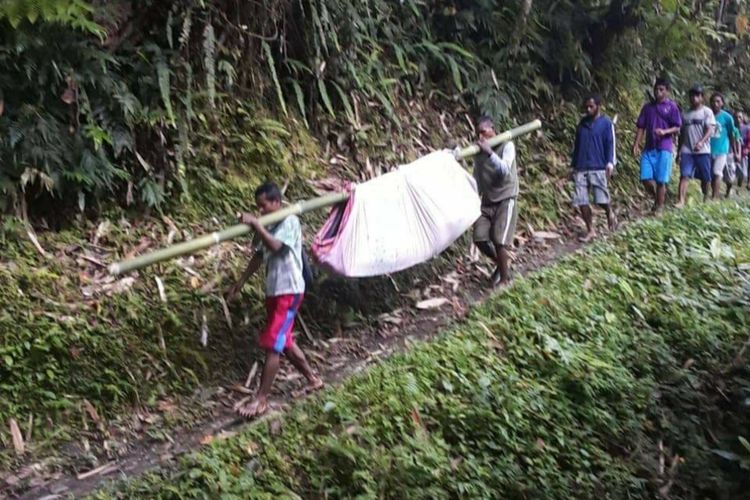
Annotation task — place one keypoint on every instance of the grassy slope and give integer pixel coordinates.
(559, 387)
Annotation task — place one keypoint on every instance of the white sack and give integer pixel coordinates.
(399, 219)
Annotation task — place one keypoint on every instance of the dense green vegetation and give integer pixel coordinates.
(128, 124)
(138, 100)
(574, 383)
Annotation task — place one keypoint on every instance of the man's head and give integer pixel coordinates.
(592, 105)
(696, 96)
(661, 89)
(717, 102)
(268, 197)
(485, 127)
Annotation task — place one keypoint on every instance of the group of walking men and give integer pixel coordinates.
(711, 146)
(709, 149)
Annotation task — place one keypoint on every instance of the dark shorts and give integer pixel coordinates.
(696, 166)
(497, 222)
(281, 312)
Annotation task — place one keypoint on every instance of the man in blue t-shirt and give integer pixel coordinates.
(721, 141)
(593, 161)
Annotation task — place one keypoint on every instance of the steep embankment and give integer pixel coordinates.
(619, 372)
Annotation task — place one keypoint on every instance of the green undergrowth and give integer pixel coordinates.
(615, 373)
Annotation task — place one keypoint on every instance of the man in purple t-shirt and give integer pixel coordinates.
(659, 120)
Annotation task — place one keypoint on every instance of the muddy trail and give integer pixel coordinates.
(150, 440)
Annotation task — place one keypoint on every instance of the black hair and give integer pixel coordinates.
(484, 119)
(662, 81)
(718, 94)
(593, 97)
(270, 190)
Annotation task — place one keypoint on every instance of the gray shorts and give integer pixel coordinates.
(595, 180)
(497, 223)
(730, 170)
(742, 168)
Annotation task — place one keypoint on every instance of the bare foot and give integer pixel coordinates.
(587, 237)
(503, 283)
(313, 385)
(255, 408)
(679, 204)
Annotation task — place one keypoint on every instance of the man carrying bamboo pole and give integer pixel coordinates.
(497, 180)
(281, 251)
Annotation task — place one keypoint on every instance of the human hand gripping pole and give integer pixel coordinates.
(208, 240)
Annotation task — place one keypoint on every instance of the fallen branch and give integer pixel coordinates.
(35, 242)
(251, 374)
(160, 287)
(239, 388)
(241, 402)
(305, 330)
(93, 260)
(15, 432)
(103, 469)
(225, 308)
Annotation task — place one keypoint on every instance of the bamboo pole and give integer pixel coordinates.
(217, 237)
(501, 138)
(302, 207)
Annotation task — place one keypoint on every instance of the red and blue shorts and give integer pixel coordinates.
(280, 314)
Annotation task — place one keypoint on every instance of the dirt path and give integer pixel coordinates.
(336, 358)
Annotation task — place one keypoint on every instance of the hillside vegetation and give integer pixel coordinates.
(617, 373)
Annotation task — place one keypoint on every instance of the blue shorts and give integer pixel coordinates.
(656, 165)
(696, 166)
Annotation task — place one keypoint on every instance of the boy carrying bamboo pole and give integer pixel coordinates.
(281, 252)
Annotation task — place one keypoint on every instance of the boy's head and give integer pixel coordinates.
(696, 96)
(592, 104)
(717, 102)
(485, 127)
(268, 197)
(661, 89)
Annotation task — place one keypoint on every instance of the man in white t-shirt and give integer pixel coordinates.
(281, 252)
(698, 124)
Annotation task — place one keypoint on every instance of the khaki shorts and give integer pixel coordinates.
(719, 162)
(497, 223)
(596, 181)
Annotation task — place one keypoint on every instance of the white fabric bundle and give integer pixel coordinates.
(399, 219)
